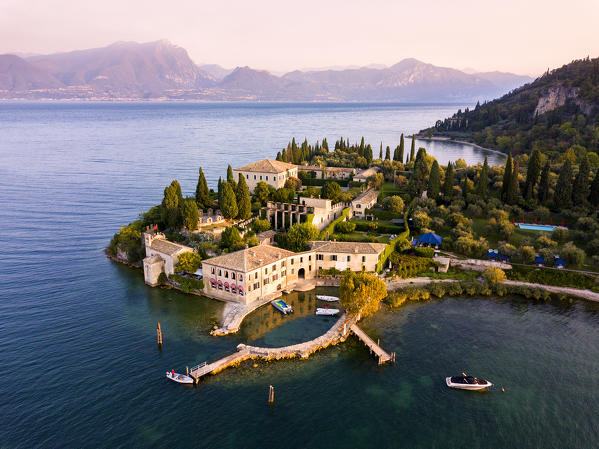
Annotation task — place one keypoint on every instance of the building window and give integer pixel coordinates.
(274, 267)
(220, 273)
(348, 258)
(267, 177)
(319, 257)
(309, 267)
(213, 270)
(265, 281)
(334, 257)
(256, 275)
(254, 177)
(283, 273)
(358, 206)
(247, 176)
(226, 274)
(240, 278)
(260, 177)
(266, 271)
(233, 275)
(363, 258)
(256, 285)
(301, 260)
(292, 261)
(309, 258)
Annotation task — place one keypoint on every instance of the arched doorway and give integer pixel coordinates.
(301, 273)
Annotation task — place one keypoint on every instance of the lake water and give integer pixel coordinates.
(80, 363)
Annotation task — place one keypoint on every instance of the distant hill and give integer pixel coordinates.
(161, 70)
(557, 111)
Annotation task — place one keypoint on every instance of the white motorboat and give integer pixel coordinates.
(323, 311)
(327, 298)
(465, 382)
(179, 378)
(282, 306)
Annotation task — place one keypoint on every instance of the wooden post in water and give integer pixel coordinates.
(187, 370)
(271, 394)
(159, 333)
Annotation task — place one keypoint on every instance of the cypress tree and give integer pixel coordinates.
(387, 153)
(396, 153)
(170, 210)
(368, 154)
(229, 204)
(582, 187)
(401, 148)
(514, 188)
(544, 183)
(594, 195)
(244, 204)
(381, 149)
(202, 193)
(532, 174)
(381, 154)
(483, 180)
(434, 181)
(563, 189)
(230, 177)
(190, 214)
(419, 174)
(448, 183)
(220, 192)
(413, 148)
(507, 178)
(279, 156)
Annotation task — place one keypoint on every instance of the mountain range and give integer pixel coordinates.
(162, 71)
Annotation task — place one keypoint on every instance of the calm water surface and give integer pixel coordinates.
(77, 332)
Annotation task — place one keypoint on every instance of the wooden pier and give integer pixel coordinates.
(383, 356)
(336, 334)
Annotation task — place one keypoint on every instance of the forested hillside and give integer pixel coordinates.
(557, 111)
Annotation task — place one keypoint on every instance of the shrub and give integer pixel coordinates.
(494, 275)
(393, 204)
(345, 227)
(527, 254)
(162, 279)
(189, 262)
(573, 255)
(260, 225)
(424, 252)
(230, 237)
(420, 219)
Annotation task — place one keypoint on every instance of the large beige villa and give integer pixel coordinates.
(250, 274)
(272, 172)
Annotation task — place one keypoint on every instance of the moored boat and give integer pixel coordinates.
(465, 382)
(179, 378)
(323, 311)
(282, 306)
(327, 298)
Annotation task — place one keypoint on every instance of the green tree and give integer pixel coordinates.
(514, 190)
(228, 207)
(381, 153)
(527, 254)
(332, 191)
(202, 192)
(230, 237)
(483, 180)
(448, 182)
(563, 189)
(434, 181)
(260, 225)
(244, 204)
(532, 174)
(413, 148)
(361, 292)
(230, 177)
(594, 194)
(299, 235)
(219, 195)
(573, 255)
(582, 186)
(393, 204)
(189, 262)
(544, 183)
(419, 177)
(401, 148)
(507, 178)
(494, 275)
(170, 210)
(387, 153)
(190, 214)
(262, 192)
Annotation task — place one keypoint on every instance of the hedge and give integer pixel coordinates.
(320, 182)
(330, 229)
(391, 247)
(552, 276)
(366, 226)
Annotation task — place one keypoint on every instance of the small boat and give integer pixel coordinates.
(179, 378)
(327, 298)
(465, 382)
(282, 306)
(322, 311)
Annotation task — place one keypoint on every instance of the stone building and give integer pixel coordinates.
(253, 273)
(161, 256)
(319, 172)
(363, 175)
(272, 172)
(365, 200)
(283, 215)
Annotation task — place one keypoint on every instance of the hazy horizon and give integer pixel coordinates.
(521, 37)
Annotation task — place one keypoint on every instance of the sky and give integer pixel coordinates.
(520, 36)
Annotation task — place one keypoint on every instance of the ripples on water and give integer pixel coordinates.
(79, 357)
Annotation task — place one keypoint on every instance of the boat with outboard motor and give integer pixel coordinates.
(179, 378)
(465, 382)
(328, 312)
(282, 306)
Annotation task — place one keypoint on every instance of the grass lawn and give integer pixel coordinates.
(388, 188)
(479, 226)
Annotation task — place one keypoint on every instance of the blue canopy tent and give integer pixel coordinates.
(492, 254)
(430, 238)
(559, 262)
(539, 261)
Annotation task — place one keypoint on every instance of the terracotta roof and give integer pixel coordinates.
(367, 172)
(267, 166)
(249, 259)
(348, 247)
(366, 196)
(166, 247)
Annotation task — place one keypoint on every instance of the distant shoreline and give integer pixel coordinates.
(447, 139)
